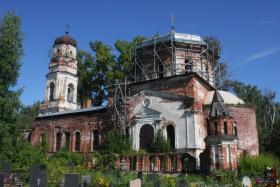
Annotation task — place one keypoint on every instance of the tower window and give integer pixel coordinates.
(70, 93)
(71, 52)
(225, 127)
(188, 65)
(57, 50)
(52, 87)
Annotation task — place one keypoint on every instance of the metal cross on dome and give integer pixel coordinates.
(67, 29)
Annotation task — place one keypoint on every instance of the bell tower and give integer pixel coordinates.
(62, 80)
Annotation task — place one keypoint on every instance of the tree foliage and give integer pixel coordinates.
(11, 52)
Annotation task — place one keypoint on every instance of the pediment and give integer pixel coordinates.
(146, 112)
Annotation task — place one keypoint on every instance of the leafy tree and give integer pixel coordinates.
(11, 52)
(125, 61)
(221, 71)
(117, 142)
(97, 71)
(26, 116)
(161, 144)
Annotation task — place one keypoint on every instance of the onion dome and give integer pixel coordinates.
(65, 39)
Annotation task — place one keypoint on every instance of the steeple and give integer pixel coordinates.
(218, 108)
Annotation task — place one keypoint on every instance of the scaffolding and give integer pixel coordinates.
(120, 105)
(174, 55)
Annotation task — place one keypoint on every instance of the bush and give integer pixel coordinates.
(25, 156)
(161, 145)
(255, 165)
(67, 157)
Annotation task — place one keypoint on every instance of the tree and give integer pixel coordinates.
(11, 52)
(97, 71)
(161, 144)
(124, 66)
(26, 116)
(220, 68)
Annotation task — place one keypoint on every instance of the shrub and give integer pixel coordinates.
(161, 145)
(117, 142)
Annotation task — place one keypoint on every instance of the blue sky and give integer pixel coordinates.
(249, 31)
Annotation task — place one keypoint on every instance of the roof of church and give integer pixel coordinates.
(65, 39)
(228, 98)
(218, 108)
(176, 37)
(82, 110)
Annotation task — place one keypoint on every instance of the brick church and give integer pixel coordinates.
(174, 90)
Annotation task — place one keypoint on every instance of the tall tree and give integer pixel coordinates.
(220, 68)
(11, 52)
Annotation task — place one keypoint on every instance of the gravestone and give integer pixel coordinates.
(181, 183)
(85, 181)
(6, 168)
(152, 177)
(72, 180)
(246, 182)
(157, 183)
(38, 176)
(3, 178)
(135, 183)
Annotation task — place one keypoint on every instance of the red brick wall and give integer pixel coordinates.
(85, 123)
(247, 133)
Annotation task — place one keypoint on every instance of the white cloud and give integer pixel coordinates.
(262, 54)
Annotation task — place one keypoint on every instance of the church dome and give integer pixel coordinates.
(228, 98)
(65, 39)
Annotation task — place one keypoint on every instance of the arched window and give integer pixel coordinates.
(225, 127)
(78, 141)
(67, 140)
(171, 135)
(216, 127)
(52, 87)
(58, 140)
(95, 138)
(70, 93)
(188, 65)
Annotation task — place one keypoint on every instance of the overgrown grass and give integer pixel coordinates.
(255, 165)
